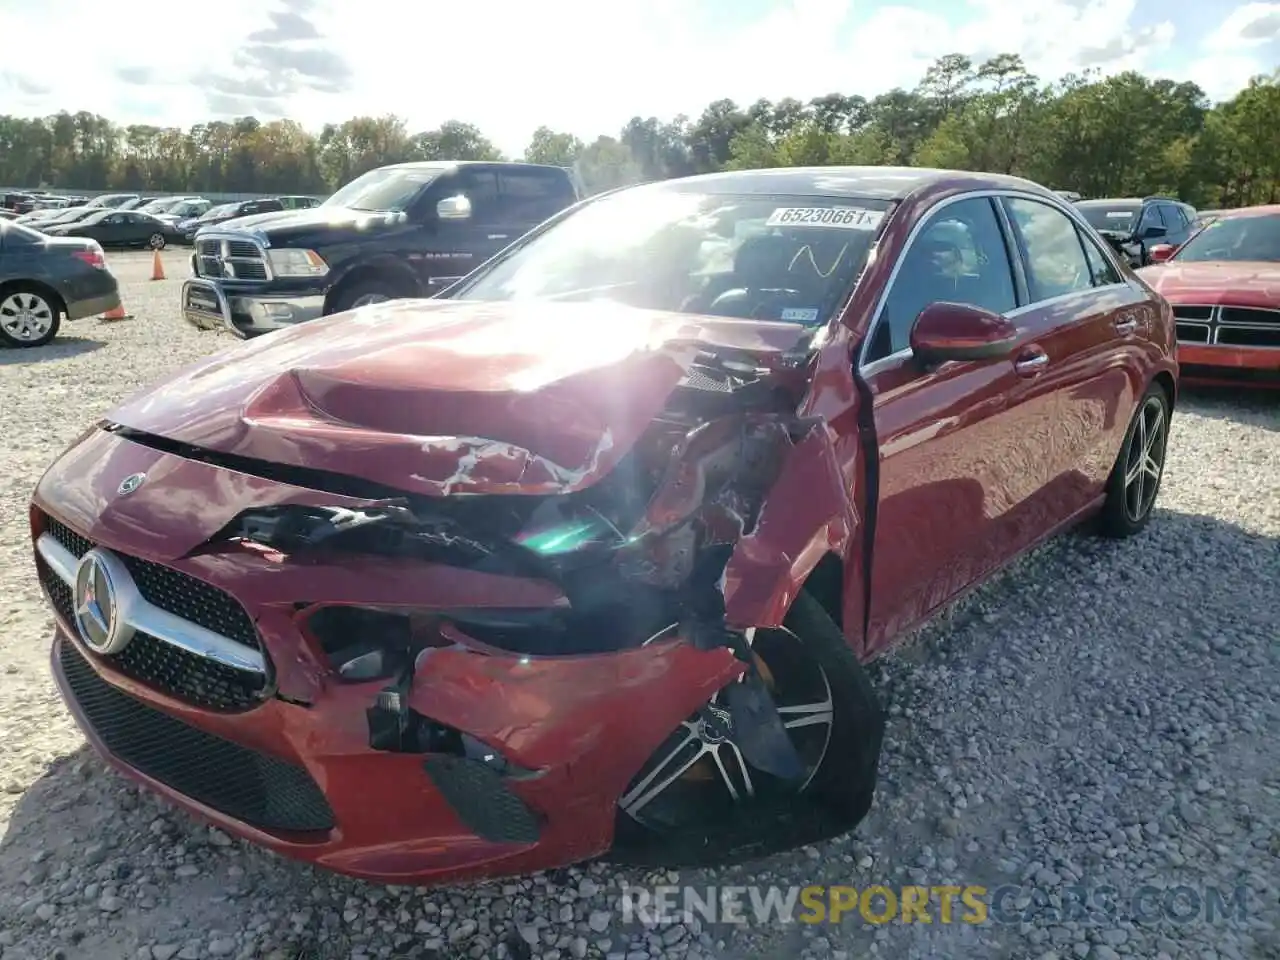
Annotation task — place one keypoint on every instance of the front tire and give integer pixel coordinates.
(720, 808)
(29, 317)
(364, 293)
(1135, 479)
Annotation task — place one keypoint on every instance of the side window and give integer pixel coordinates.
(481, 188)
(1100, 267)
(1150, 218)
(1054, 258)
(531, 196)
(269, 206)
(960, 257)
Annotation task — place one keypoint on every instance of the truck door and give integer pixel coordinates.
(453, 247)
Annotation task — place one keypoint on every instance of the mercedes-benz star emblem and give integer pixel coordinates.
(130, 483)
(98, 615)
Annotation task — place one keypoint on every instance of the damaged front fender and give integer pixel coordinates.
(808, 513)
(578, 727)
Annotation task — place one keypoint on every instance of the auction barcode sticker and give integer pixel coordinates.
(847, 218)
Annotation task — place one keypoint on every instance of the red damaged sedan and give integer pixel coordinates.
(1224, 285)
(586, 557)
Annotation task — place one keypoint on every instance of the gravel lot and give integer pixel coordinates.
(1104, 714)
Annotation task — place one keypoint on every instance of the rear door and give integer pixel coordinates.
(111, 230)
(531, 195)
(946, 472)
(1079, 372)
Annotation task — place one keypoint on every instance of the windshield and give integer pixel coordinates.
(95, 217)
(1110, 216)
(1234, 238)
(158, 206)
(216, 212)
(185, 208)
(390, 188)
(746, 257)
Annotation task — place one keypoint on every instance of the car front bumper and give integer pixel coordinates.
(1225, 365)
(294, 770)
(207, 305)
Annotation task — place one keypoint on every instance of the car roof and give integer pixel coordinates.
(874, 183)
(443, 165)
(1111, 201)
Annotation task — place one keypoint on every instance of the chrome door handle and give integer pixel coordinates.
(1127, 324)
(1032, 364)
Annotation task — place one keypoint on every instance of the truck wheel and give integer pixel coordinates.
(364, 293)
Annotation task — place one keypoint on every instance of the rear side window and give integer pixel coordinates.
(1054, 257)
(531, 196)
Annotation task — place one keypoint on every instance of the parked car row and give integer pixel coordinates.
(185, 228)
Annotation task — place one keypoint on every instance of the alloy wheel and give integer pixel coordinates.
(1144, 458)
(157, 241)
(699, 774)
(26, 316)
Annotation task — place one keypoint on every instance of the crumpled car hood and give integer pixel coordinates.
(440, 397)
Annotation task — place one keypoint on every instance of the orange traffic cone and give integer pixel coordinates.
(157, 266)
(111, 316)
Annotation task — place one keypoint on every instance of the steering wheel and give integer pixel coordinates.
(752, 303)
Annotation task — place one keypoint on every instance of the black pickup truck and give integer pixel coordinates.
(406, 230)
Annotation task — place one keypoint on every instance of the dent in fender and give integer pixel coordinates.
(770, 564)
(584, 724)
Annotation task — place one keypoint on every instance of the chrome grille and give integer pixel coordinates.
(1227, 326)
(196, 679)
(226, 258)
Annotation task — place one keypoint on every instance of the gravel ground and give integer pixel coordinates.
(1103, 715)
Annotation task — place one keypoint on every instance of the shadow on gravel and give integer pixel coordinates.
(1257, 408)
(59, 348)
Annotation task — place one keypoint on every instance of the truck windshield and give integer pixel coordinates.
(388, 188)
(748, 257)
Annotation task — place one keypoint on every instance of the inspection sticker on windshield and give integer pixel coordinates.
(1119, 215)
(846, 218)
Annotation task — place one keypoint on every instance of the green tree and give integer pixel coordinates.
(557, 149)
(1126, 134)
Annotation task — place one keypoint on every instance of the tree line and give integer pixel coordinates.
(1124, 135)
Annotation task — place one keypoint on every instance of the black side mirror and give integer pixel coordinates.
(1154, 232)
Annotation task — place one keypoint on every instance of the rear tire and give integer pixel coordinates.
(29, 316)
(1135, 479)
(157, 241)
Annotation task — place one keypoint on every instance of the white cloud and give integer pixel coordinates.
(1245, 44)
(511, 65)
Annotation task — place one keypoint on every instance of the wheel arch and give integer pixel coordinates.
(35, 286)
(825, 584)
(399, 276)
(1164, 380)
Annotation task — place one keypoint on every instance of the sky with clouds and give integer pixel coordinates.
(585, 66)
